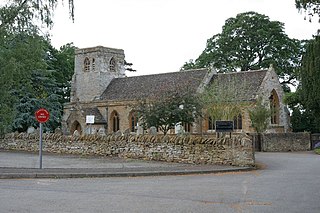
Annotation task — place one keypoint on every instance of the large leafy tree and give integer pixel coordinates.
(61, 64)
(251, 41)
(166, 111)
(25, 81)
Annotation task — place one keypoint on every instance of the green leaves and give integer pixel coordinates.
(310, 80)
(166, 111)
(310, 7)
(250, 41)
(259, 116)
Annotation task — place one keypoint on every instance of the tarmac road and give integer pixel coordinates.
(287, 182)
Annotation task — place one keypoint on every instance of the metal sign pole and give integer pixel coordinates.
(40, 146)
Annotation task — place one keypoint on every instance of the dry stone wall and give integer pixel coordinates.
(237, 151)
(284, 142)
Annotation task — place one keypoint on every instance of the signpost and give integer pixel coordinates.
(224, 126)
(42, 115)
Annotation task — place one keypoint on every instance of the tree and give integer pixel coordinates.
(309, 88)
(251, 41)
(61, 63)
(166, 111)
(18, 15)
(259, 116)
(224, 99)
(310, 7)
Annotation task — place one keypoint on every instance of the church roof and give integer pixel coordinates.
(146, 86)
(244, 84)
(98, 118)
(143, 87)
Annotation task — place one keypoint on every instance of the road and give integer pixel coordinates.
(287, 182)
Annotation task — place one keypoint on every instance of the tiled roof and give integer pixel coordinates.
(143, 87)
(245, 84)
(98, 118)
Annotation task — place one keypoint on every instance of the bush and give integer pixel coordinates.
(317, 148)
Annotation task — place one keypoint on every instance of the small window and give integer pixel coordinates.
(211, 123)
(112, 65)
(93, 64)
(133, 121)
(86, 65)
(115, 121)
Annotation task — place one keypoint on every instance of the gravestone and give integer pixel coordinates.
(76, 133)
(31, 130)
(102, 131)
(126, 132)
(153, 131)
(58, 131)
(139, 130)
(178, 129)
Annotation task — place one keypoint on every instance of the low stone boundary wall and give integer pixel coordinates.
(285, 142)
(237, 151)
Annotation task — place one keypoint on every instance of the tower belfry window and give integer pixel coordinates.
(93, 64)
(112, 65)
(86, 65)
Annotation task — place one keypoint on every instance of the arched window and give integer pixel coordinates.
(86, 65)
(115, 121)
(112, 65)
(187, 127)
(274, 107)
(93, 64)
(237, 122)
(76, 126)
(211, 123)
(133, 120)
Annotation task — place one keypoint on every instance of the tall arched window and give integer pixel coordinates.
(112, 65)
(274, 107)
(86, 64)
(115, 121)
(211, 123)
(187, 127)
(237, 122)
(133, 120)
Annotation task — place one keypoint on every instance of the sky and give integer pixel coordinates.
(159, 36)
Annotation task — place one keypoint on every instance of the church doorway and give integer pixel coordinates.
(76, 126)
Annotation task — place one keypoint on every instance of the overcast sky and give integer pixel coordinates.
(159, 36)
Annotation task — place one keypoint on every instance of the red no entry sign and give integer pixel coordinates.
(42, 115)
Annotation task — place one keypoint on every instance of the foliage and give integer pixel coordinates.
(19, 15)
(310, 7)
(259, 116)
(251, 41)
(166, 111)
(310, 81)
(61, 63)
(224, 100)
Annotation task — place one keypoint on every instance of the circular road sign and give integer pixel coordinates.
(42, 115)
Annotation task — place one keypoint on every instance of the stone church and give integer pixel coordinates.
(101, 94)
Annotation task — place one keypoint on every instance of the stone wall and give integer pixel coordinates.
(237, 151)
(285, 142)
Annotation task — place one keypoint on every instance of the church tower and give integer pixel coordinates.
(94, 70)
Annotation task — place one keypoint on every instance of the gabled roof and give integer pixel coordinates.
(98, 118)
(151, 86)
(247, 83)
(146, 86)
